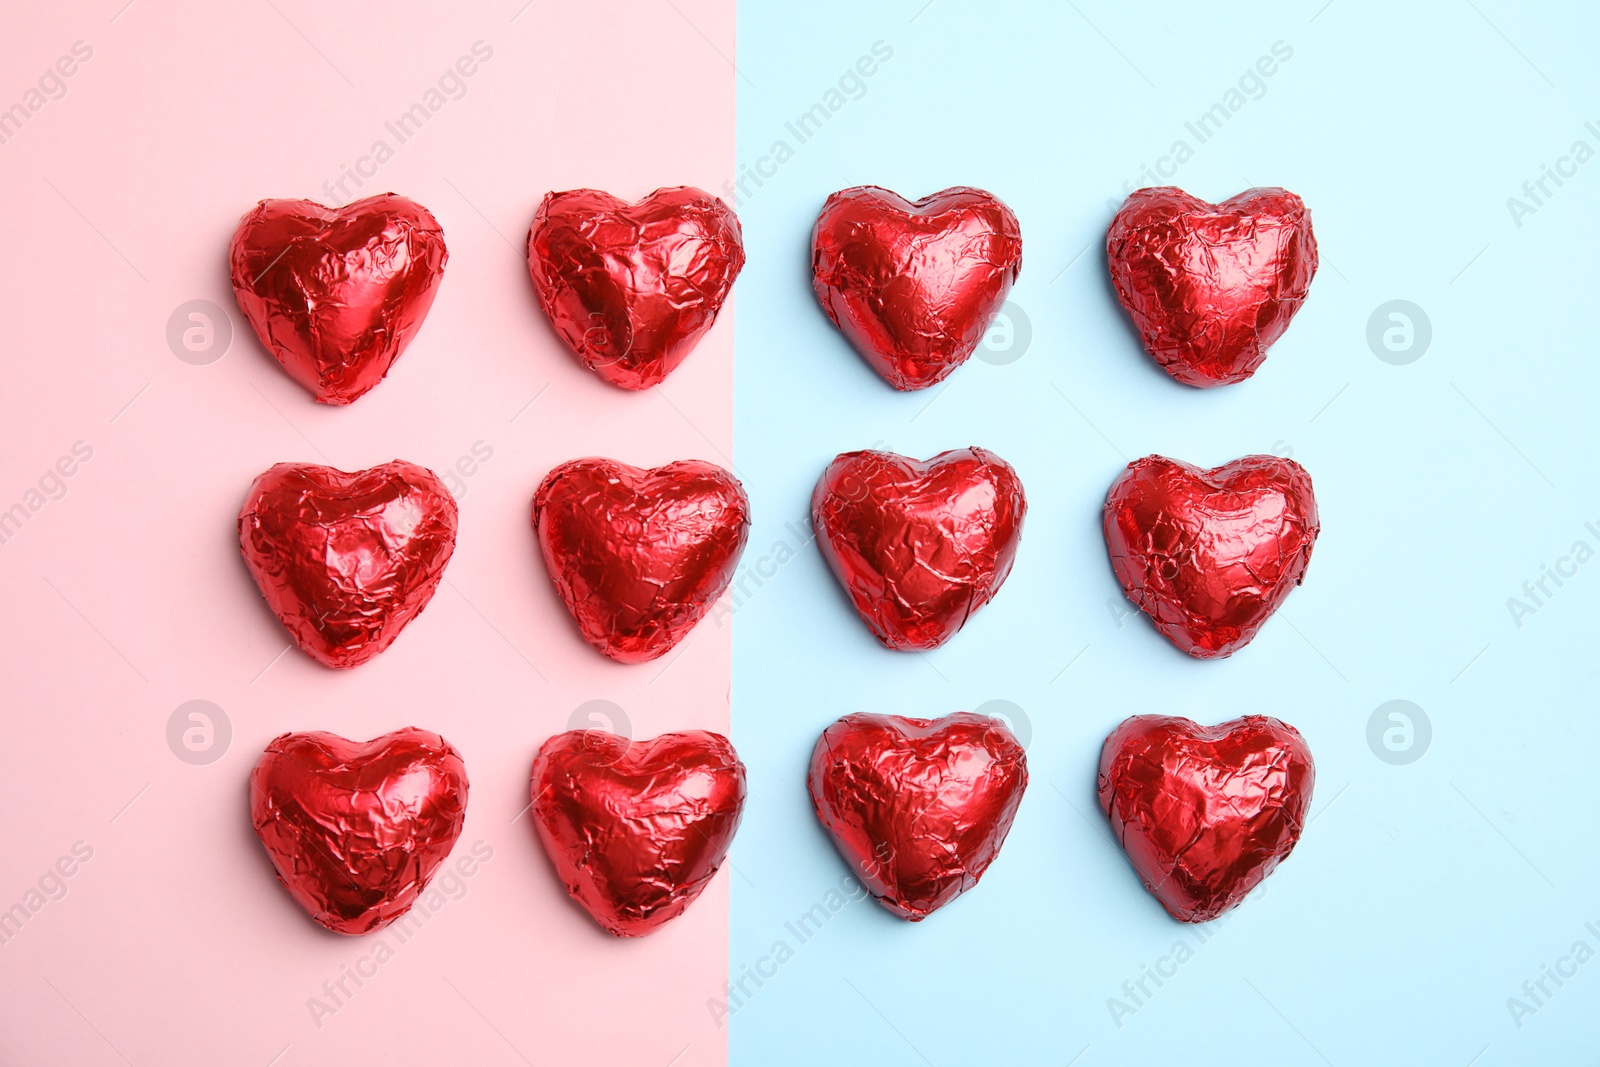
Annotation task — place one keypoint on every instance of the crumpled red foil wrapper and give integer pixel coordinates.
(346, 560)
(356, 830)
(1211, 286)
(917, 807)
(919, 546)
(637, 829)
(336, 294)
(914, 285)
(1209, 555)
(1205, 812)
(631, 288)
(639, 556)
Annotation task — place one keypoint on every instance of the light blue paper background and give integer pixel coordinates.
(1422, 896)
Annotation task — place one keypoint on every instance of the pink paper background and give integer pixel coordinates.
(127, 597)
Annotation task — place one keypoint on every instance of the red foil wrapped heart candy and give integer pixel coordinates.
(631, 288)
(636, 829)
(1209, 555)
(1205, 812)
(639, 556)
(914, 285)
(346, 560)
(1211, 286)
(919, 545)
(355, 831)
(336, 294)
(918, 807)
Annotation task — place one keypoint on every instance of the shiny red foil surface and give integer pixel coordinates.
(631, 288)
(1211, 286)
(917, 807)
(1209, 555)
(636, 829)
(919, 545)
(336, 294)
(639, 556)
(1205, 812)
(354, 830)
(914, 285)
(346, 560)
